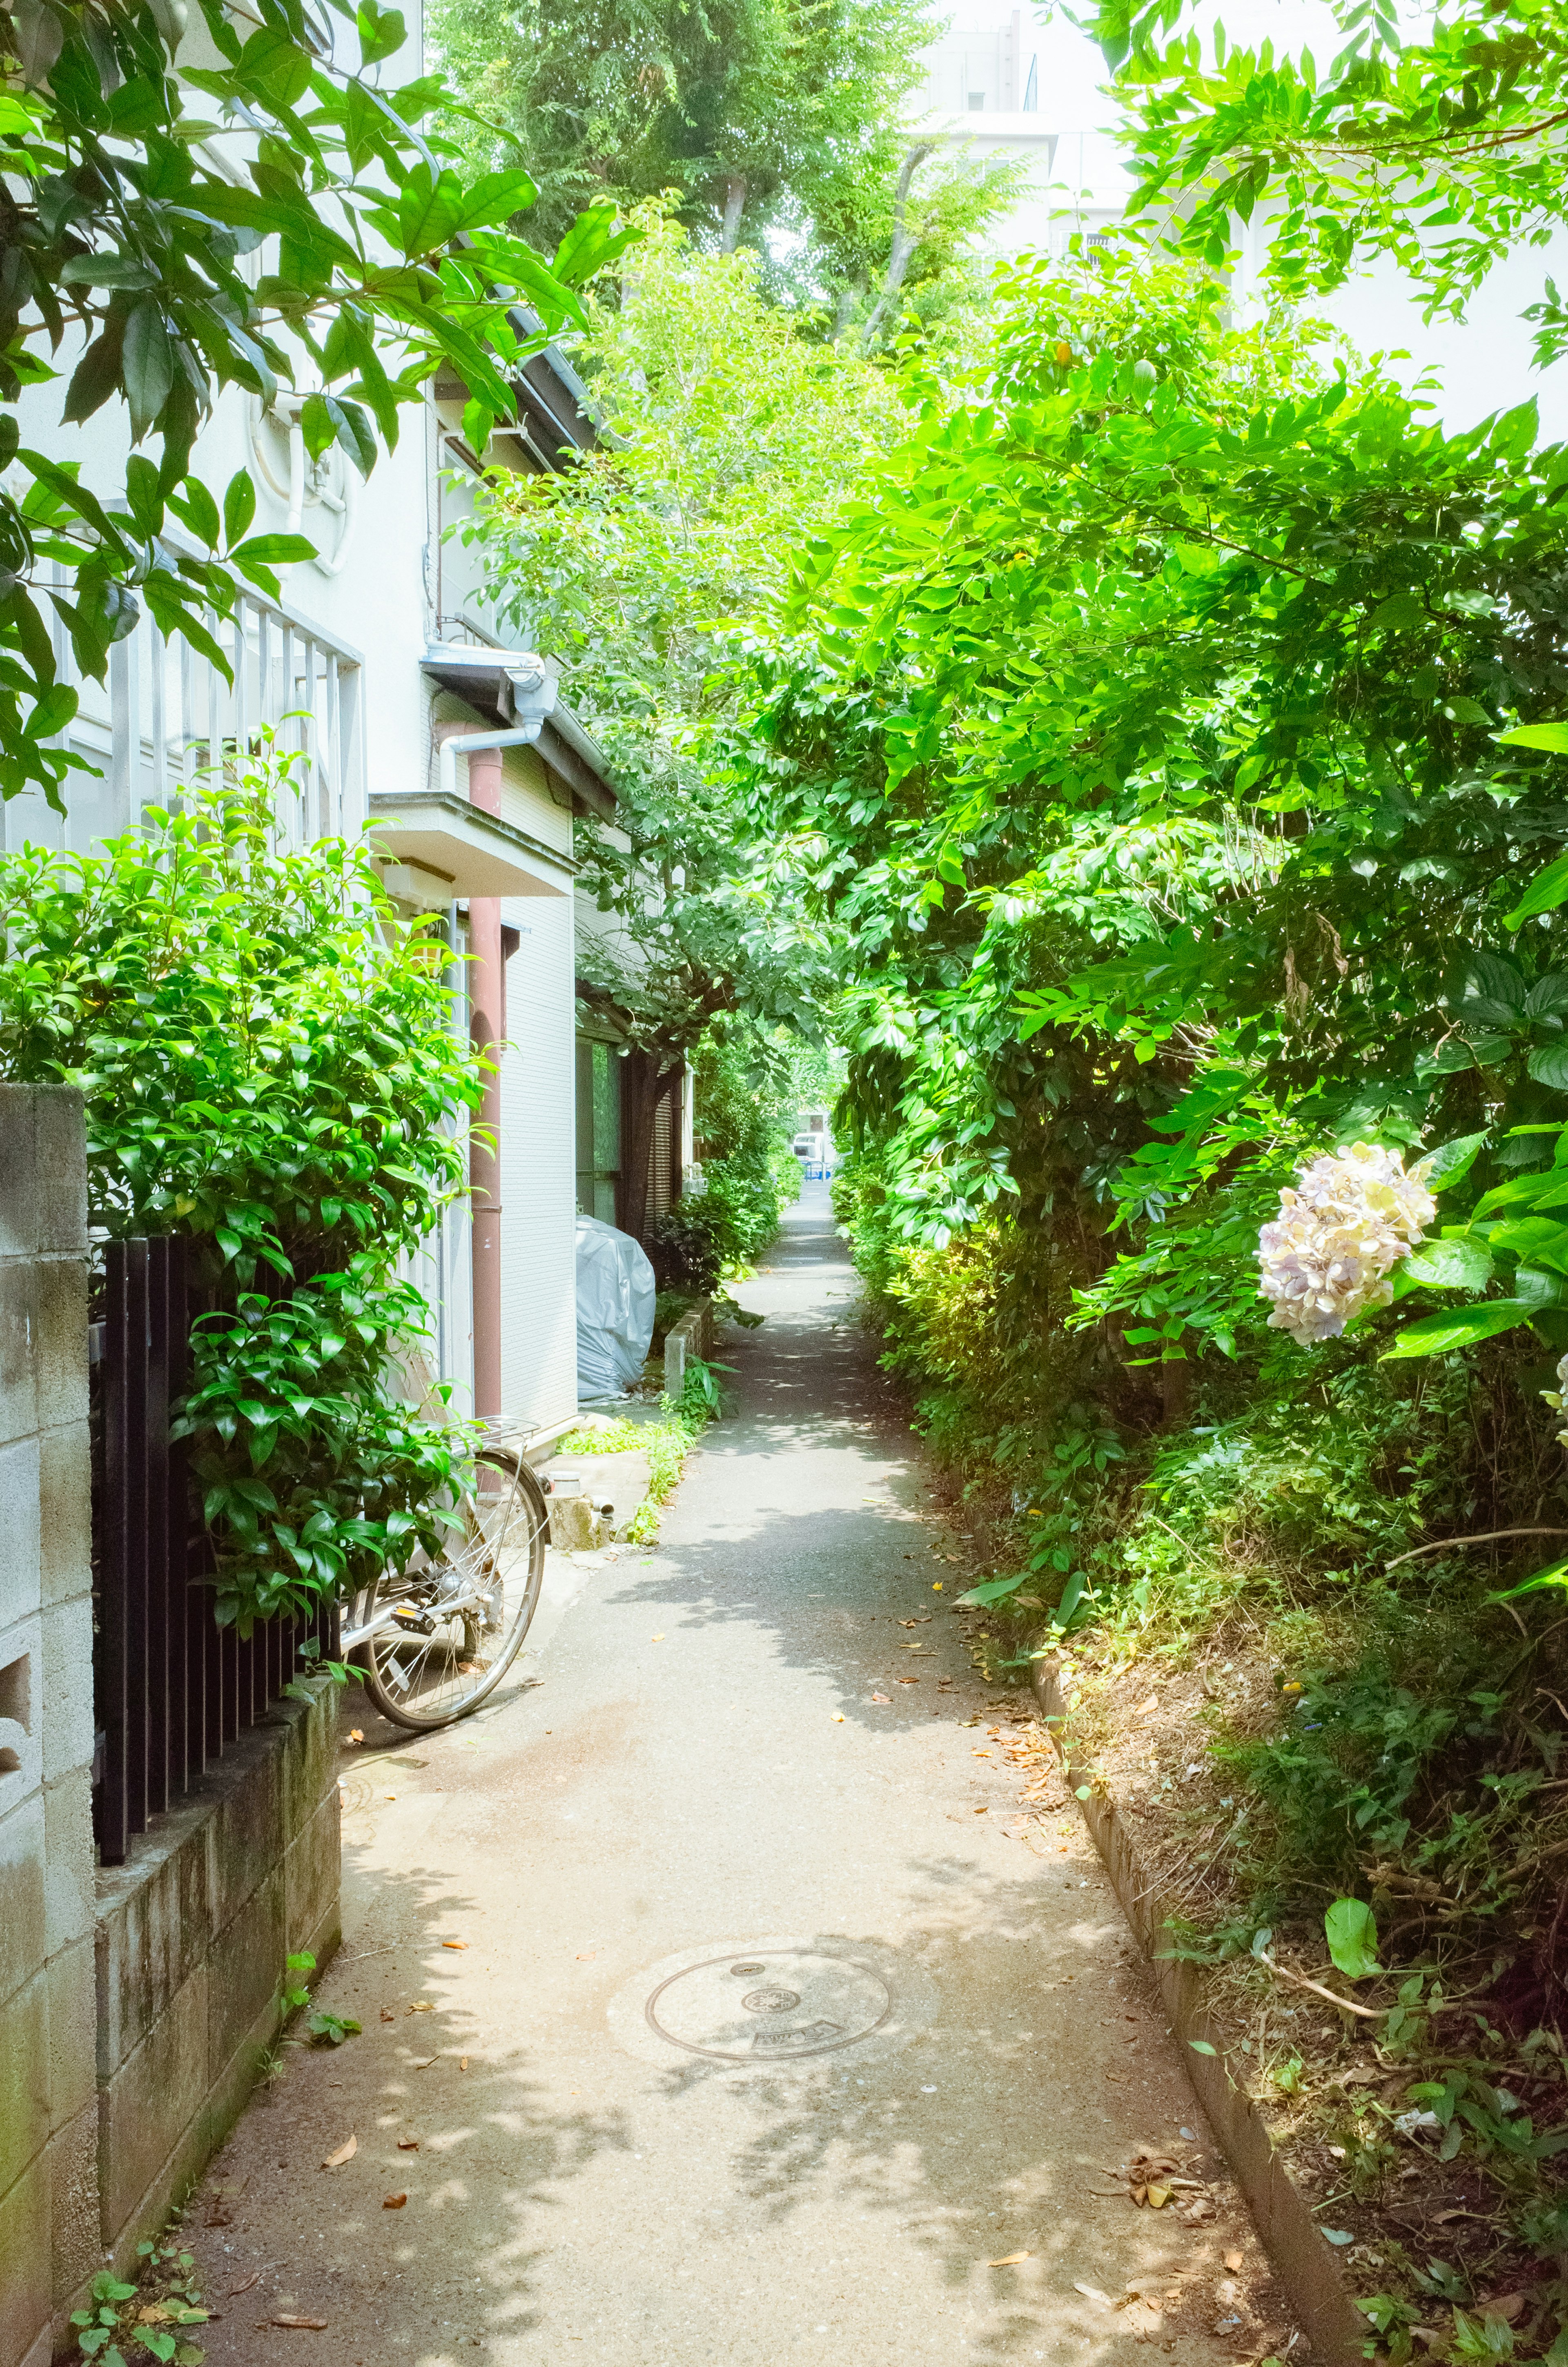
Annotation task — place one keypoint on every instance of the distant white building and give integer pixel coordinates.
(1027, 83)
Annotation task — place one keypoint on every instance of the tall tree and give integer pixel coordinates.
(731, 434)
(782, 126)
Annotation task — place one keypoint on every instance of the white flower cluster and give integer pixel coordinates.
(1555, 1397)
(1328, 1254)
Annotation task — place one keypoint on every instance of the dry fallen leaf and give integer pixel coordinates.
(909, 1681)
(462, 2062)
(1142, 2315)
(586, 1955)
(345, 2153)
(387, 2014)
(1009, 2259)
(1507, 2307)
(422, 2062)
(884, 1699)
(287, 2318)
(838, 1717)
(980, 1812)
(356, 1734)
(244, 2286)
(1233, 2260)
(393, 2202)
(1146, 1709)
(424, 2006)
(454, 1944)
(657, 1639)
(1093, 2293)
(1158, 2197)
(392, 1795)
(408, 2145)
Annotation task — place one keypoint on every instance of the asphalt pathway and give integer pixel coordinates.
(719, 2003)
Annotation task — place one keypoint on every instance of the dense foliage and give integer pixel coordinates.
(1150, 730)
(744, 1080)
(728, 432)
(268, 1066)
(128, 231)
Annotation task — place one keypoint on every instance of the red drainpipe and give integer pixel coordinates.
(487, 1005)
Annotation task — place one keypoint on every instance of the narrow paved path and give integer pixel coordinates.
(762, 2041)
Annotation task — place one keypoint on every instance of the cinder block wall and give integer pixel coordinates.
(49, 2224)
(192, 1932)
(136, 2003)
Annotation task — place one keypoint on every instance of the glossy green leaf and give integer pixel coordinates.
(1437, 1335)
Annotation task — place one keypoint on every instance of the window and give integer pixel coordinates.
(598, 1128)
(977, 102)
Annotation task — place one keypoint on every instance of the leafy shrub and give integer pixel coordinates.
(268, 1066)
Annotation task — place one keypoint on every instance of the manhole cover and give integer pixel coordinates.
(764, 2006)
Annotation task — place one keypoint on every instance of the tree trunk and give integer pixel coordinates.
(904, 241)
(847, 300)
(645, 1079)
(734, 205)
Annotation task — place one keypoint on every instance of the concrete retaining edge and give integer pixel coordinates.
(1306, 2268)
(692, 1336)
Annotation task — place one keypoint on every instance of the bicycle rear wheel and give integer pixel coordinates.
(458, 1622)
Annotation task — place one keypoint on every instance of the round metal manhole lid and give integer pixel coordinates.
(768, 2006)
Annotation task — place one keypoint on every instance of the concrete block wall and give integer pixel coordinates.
(49, 2228)
(136, 2002)
(192, 1934)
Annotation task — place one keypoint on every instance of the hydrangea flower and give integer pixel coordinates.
(1555, 1397)
(1354, 1214)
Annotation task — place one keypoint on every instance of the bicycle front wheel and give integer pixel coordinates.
(458, 1622)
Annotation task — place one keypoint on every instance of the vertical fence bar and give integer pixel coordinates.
(182, 1709)
(159, 1673)
(136, 1537)
(114, 1526)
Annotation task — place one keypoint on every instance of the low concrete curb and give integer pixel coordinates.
(692, 1336)
(1306, 2268)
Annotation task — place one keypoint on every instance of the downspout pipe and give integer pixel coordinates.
(534, 694)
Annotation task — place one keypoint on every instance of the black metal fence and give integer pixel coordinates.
(171, 1687)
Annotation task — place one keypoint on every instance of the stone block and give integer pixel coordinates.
(21, 1562)
(245, 1965)
(62, 1341)
(24, 1927)
(74, 2223)
(576, 1524)
(246, 1837)
(24, 2077)
(73, 2032)
(18, 1373)
(23, 2265)
(65, 1512)
(309, 1757)
(60, 1156)
(67, 1731)
(312, 1873)
(68, 1863)
(155, 2097)
(155, 1922)
(43, 1169)
(21, 1711)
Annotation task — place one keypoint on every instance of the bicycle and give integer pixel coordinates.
(431, 1642)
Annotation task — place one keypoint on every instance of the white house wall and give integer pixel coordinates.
(539, 1139)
